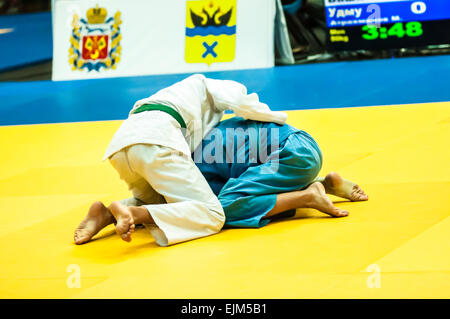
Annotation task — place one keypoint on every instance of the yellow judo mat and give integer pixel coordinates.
(396, 245)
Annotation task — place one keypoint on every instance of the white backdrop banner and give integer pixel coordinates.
(113, 38)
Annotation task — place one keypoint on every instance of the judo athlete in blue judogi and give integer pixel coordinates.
(262, 170)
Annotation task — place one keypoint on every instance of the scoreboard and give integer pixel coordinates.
(386, 24)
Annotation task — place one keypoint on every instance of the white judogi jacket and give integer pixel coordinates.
(201, 102)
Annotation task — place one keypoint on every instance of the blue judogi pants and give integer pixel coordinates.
(247, 189)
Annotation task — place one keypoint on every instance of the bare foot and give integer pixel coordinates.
(336, 185)
(97, 218)
(125, 223)
(321, 202)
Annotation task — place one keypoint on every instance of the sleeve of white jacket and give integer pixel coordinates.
(231, 95)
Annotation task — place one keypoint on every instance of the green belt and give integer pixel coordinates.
(162, 108)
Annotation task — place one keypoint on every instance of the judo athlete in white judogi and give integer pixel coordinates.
(151, 151)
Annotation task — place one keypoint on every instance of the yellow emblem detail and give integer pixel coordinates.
(210, 31)
(96, 15)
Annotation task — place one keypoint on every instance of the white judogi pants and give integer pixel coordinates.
(171, 187)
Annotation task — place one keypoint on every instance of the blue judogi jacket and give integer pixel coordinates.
(247, 163)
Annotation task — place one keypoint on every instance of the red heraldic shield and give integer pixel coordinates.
(95, 47)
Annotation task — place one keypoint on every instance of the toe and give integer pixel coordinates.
(336, 212)
(126, 237)
(342, 213)
(360, 195)
(80, 237)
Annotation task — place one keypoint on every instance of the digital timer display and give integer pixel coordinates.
(399, 30)
(383, 24)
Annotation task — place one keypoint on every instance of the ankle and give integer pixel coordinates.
(141, 215)
(307, 198)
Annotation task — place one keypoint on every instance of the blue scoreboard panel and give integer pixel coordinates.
(386, 24)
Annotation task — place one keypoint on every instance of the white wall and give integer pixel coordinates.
(153, 37)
